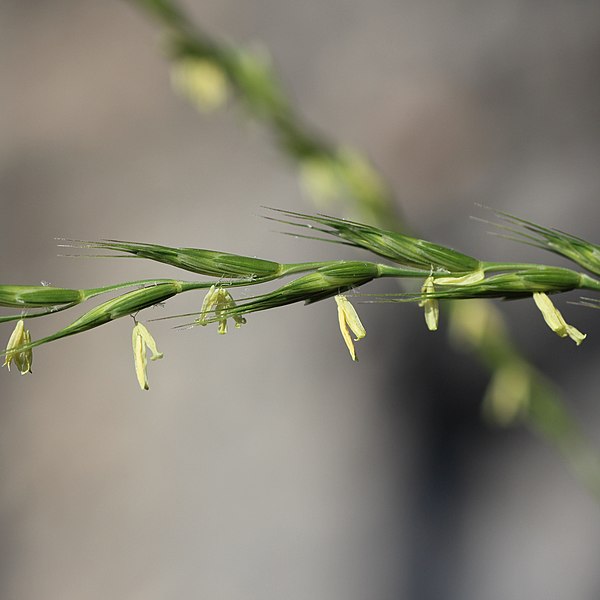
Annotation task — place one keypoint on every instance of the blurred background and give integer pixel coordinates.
(265, 464)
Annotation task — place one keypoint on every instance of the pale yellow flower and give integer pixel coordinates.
(555, 320)
(19, 338)
(219, 301)
(349, 321)
(141, 340)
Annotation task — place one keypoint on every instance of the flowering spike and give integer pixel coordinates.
(19, 338)
(555, 320)
(142, 339)
(349, 321)
(431, 305)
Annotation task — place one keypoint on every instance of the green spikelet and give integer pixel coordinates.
(38, 296)
(196, 260)
(576, 249)
(397, 247)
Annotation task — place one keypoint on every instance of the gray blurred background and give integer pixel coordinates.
(264, 464)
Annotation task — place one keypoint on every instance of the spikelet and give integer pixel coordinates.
(397, 247)
(195, 260)
(576, 249)
(38, 296)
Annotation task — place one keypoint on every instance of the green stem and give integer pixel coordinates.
(401, 272)
(589, 283)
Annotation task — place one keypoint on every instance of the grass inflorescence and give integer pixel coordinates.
(444, 274)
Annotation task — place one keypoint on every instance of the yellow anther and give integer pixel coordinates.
(431, 305)
(349, 321)
(19, 338)
(555, 320)
(141, 340)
